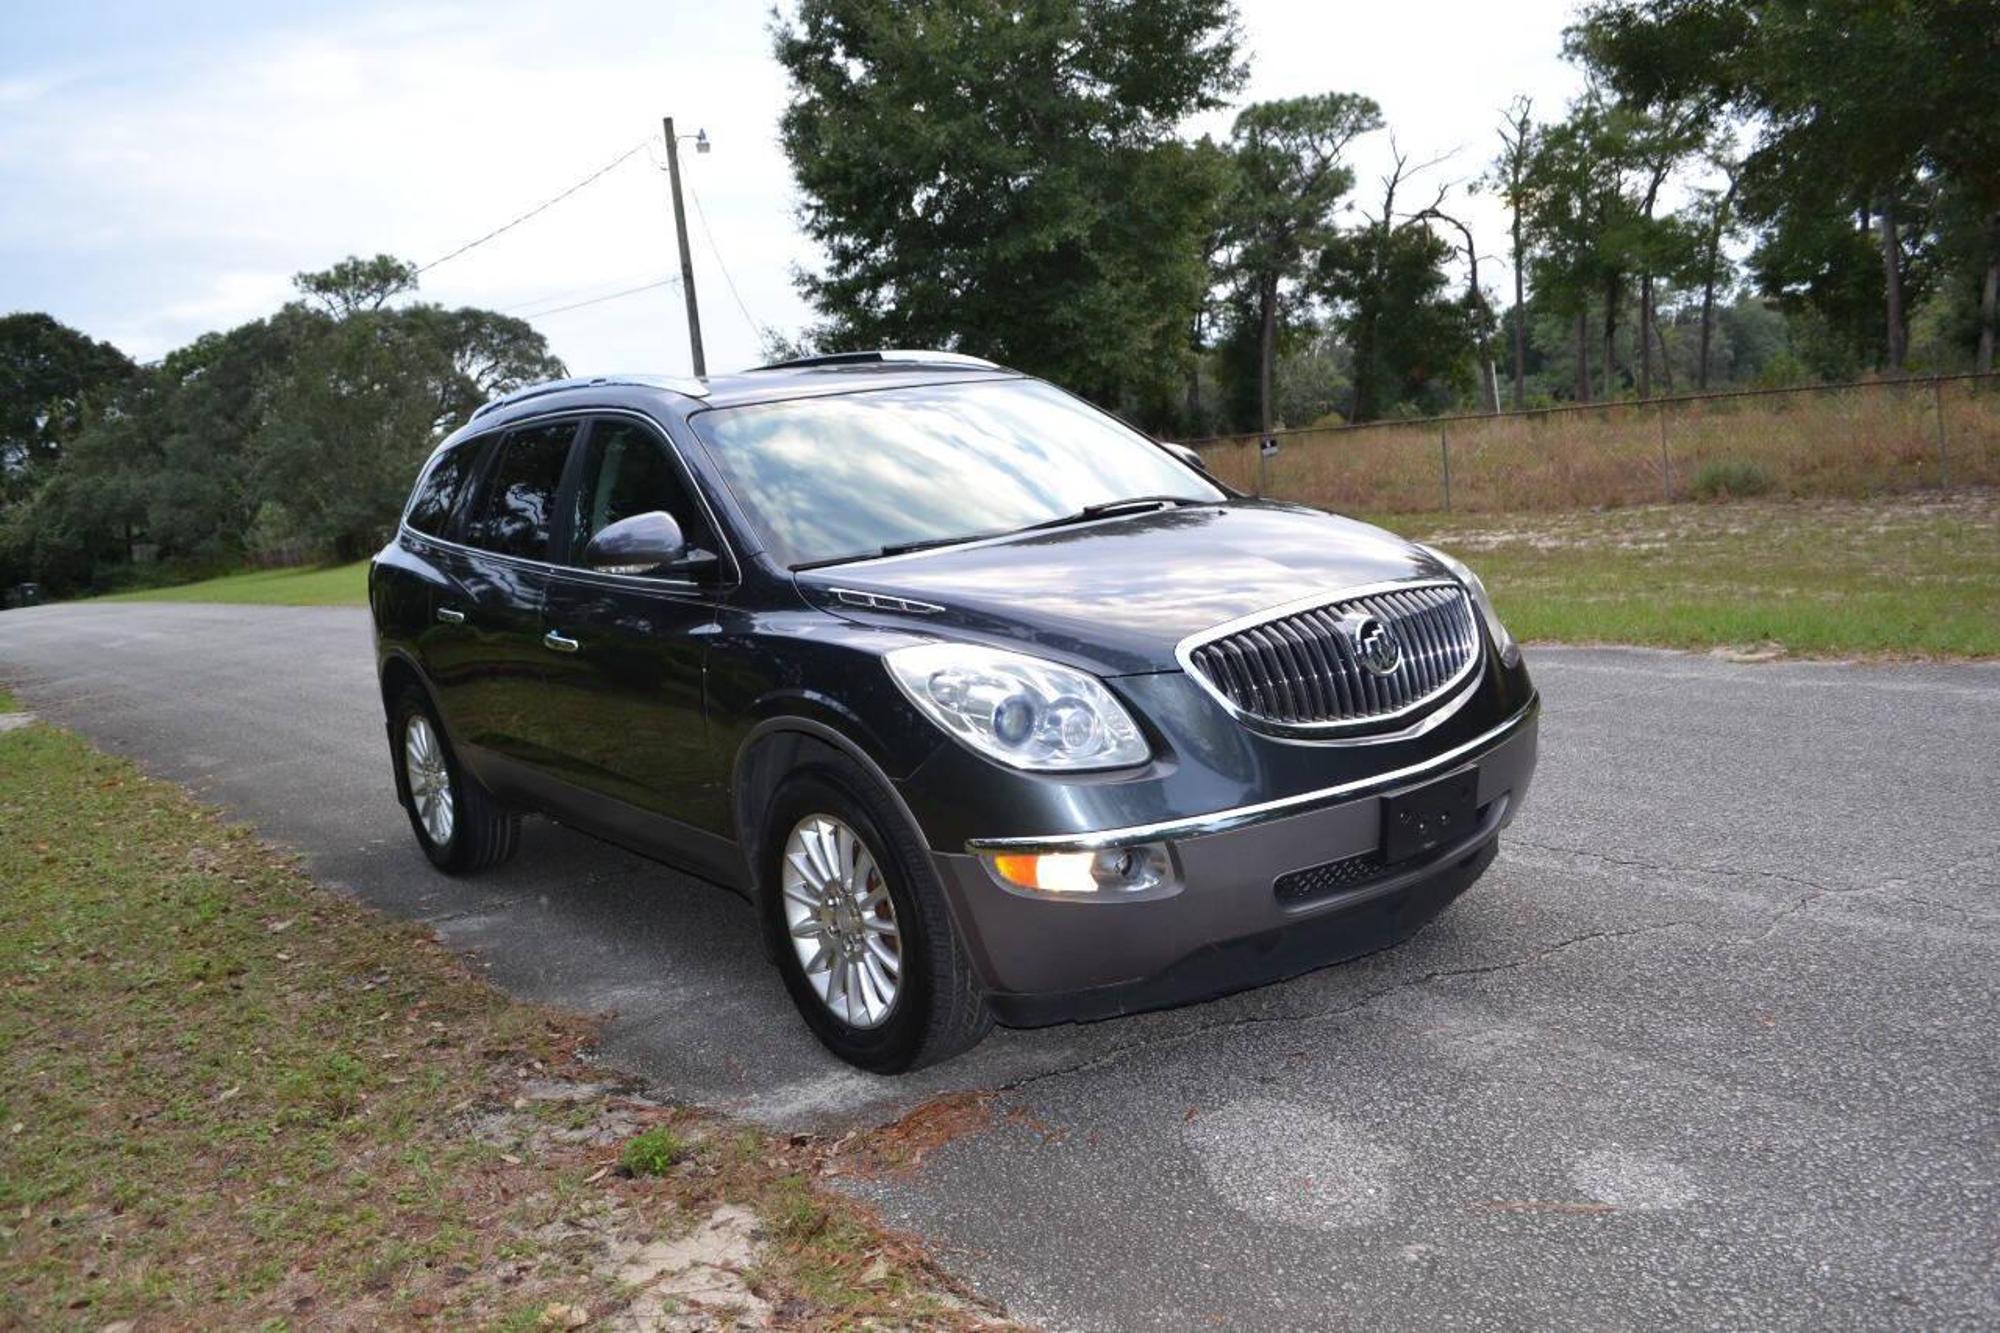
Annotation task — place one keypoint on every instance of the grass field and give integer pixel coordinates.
(232, 1098)
(335, 585)
(1846, 442)
(1917, 576)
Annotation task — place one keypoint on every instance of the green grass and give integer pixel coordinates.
(654, 1152)
(328, 585)
(232, 1098)
(1913, 576)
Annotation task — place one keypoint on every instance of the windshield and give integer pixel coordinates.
(824, 479)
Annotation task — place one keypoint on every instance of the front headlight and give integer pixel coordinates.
(1020, 710)
(1510, 652)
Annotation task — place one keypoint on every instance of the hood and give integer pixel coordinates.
(1119, 594)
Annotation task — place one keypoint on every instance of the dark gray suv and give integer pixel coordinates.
(995, 708)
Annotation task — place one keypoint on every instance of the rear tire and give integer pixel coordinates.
(937, 1009)
(459, 824)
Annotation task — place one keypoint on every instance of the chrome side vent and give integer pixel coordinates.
(878, 601)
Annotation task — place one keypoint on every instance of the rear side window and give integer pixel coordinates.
(626, 471)
(519, 500)
(437, 494)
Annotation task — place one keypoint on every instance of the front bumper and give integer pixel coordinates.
(1231, 924)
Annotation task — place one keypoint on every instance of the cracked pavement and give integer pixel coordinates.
(1713, 1042)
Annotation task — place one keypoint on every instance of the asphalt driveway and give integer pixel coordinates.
(1714, 1042)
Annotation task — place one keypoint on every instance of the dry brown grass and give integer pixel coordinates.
(1847, 442)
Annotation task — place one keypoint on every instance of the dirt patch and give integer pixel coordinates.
(695, 1282)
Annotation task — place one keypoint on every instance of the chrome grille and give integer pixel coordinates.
(1303, 668)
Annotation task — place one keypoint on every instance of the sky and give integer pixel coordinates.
(166, 168)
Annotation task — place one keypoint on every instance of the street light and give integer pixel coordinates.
(681, 234)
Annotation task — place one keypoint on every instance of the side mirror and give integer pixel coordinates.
(649, 543)
(1192, 457)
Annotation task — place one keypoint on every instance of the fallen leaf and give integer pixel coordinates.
(563, 1317)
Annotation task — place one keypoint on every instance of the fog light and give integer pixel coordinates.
(1112, 870)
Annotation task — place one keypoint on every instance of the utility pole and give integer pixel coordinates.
(687, 260)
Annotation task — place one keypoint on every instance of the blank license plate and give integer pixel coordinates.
(1430, 816)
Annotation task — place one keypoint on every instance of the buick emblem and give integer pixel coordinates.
(1374, 645)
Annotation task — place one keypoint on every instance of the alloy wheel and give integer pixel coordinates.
(430, 779)
(842, 921)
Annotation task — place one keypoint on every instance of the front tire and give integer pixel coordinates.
(859, 926)
(458, 823)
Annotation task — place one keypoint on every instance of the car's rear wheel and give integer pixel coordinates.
(458, 823)
(861, 930)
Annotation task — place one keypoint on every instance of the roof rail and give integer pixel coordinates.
(692, 388)
(900, 355)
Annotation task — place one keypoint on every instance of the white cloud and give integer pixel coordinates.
(175, 187)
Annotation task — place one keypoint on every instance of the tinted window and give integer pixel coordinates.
(628, 472)
(520, 496)
(438, 492)
(826, 478)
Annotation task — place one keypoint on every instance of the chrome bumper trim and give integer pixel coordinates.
(1196, 826)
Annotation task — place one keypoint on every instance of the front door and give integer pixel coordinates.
(625, 702)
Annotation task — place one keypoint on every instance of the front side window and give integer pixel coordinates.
(845, 476)
(438, 493)
(519, 502)
(627, 472)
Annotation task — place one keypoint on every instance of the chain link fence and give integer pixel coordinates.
(1846, 440)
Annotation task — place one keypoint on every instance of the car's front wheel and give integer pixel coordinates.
(458, 823)
(860, 927)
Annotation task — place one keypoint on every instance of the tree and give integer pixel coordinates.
(356, 284)
(1860, 108)
(1007, 181)
(1219, 164)
(1387, 281)
(1509, 175)
(1290, 179)
(308, 424)
(365, 398)
(1714, 209)
(1479, 311)
(1582, 221)
(47, 372)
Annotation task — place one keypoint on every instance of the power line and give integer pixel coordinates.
(713, 249)
(542, 207)
(599, 300)
(567, 294)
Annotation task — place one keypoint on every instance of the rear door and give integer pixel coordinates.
(487, 666)
(626, 702)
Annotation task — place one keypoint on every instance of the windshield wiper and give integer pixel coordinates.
(1135, 504)
(1102, 509)
(895, 548)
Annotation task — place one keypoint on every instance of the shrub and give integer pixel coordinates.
(1727, 478)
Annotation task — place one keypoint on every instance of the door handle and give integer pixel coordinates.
(557, 643)
(451, 615)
